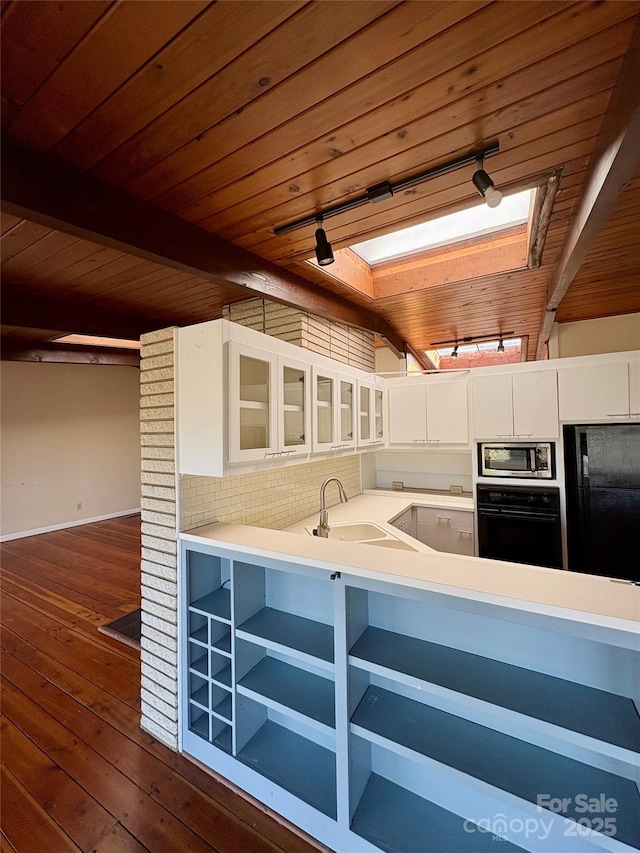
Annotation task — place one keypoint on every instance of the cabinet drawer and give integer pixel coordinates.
(443, 517)
(449, 540)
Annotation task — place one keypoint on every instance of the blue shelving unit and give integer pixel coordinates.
(352, 707)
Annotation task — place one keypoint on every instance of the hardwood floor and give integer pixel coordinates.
(78, 773)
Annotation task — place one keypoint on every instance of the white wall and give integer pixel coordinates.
(70, 435)
(590, 337)
(387, 362)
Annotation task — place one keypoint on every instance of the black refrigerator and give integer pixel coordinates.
(602, 473)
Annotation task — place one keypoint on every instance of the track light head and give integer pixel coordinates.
(500, 345)
(486, 188)
(324, 252)
(454, 352)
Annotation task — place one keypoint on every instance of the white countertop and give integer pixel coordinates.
(381, 508)
(587, 599)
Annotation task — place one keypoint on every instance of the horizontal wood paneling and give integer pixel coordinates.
(247, 115)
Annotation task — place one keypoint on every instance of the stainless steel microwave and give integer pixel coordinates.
(518, 459)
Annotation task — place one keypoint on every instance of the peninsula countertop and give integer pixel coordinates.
(595, 602)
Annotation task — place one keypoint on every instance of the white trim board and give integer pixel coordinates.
(37, 530)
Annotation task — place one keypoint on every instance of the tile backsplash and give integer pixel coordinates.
(274, 498)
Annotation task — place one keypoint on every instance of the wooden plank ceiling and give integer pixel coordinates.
(238, 117)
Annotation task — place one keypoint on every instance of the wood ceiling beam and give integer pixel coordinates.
(36, 312)
(44, 189)
(614, 162)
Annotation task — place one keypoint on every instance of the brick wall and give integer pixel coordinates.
(159, 689)
(344, 343)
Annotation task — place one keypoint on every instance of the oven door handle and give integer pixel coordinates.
(526, 516)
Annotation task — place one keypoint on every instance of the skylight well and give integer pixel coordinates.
(472, 222)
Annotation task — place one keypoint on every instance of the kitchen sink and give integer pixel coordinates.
(356, 532)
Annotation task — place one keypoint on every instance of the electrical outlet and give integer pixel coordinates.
(456, 490)
(397, 484)
(79, 505)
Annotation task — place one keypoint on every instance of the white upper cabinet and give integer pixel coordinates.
(346, 412)
(294, 417)
(370, 404)
(424, 411)
(448, 412)
(269, 412)
(515, 405)
(535, 404)
(324, 410)
(599, 391)
(492, 398)
(407, 413)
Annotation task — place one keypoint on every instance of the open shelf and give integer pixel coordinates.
(222, 676)
(501, 761)
(216, 604)
(399, 821)
(586, 710)
(291, 688)
(300, 766)
(223, 709)
(223, 645)
(199, 660)
(201, 696)
(288, 633)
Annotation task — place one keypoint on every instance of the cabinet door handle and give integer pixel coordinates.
(620, 414)
(444, 519)
(465, 532)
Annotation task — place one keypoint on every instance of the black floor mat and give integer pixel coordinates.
(126, 628)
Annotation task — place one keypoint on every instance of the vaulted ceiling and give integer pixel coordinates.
(151, 149)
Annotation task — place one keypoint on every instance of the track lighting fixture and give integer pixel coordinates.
(454, 352)
(386, 190)
(468, 340)
(324, 252)
(485, 185)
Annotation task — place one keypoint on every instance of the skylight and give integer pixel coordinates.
(472, 222)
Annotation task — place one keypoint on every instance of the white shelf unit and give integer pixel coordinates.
(271, 703)
(381, 717)
(208, 620)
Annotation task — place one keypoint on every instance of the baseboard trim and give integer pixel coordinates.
(37, 530)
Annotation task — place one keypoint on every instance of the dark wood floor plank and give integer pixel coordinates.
(5, 845)
(78, 815)
(175, 794)
(118, 840)
(75, 581)
(29, 827)
(97, 663)
(112, 710)
(131, 805)
(72, 694)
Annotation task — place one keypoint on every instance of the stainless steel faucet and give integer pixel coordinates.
(323, 525)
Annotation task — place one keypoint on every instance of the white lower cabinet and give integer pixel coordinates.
(445, 530)
(384, 718)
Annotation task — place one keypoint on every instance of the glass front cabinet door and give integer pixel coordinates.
(346, 413)
(293, 407)
(269, 413)
(252, 403)
(324, 410)
(371, 417)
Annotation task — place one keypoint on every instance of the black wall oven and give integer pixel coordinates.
(520, 524)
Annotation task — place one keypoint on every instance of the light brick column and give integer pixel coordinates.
(159, 652)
